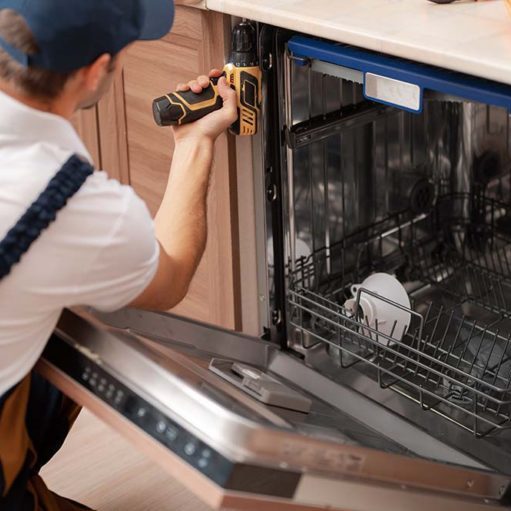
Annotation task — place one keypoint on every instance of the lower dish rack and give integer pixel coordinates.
(455, 357)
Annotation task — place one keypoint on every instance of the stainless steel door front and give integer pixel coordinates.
(147, 375)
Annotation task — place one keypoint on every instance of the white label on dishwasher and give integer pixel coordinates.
(394, 92)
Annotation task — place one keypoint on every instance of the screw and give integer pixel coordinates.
(276, 317)
(267, 62)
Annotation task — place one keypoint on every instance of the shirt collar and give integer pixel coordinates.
(21, 122)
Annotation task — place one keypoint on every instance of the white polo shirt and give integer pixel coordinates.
(101, 250)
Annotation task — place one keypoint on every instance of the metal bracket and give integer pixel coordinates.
(323, 126)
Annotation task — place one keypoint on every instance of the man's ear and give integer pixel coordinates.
(93, 74)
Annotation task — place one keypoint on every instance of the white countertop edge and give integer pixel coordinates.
(456, 59)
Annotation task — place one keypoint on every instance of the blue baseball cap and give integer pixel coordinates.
(71, 34)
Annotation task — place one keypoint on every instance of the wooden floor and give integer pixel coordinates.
(99, 468)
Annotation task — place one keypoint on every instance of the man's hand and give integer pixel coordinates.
(215, 123)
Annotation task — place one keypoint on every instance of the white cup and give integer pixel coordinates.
(387, 318)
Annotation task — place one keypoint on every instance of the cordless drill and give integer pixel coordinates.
(243, 75)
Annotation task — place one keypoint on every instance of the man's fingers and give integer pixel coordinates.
(215, 73)
(194, 85)
(229, 97)
(203, 81)
(228, 94)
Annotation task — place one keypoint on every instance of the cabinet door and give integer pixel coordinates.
(106, 143)
(86, 124)
(131, 140)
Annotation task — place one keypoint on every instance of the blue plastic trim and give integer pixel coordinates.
(425, 76)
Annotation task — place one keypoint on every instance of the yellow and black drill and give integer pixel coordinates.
(243, 75)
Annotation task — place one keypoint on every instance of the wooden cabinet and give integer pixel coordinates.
(86, 123)
(125, 141)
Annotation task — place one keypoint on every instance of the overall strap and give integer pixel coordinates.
(42, 212)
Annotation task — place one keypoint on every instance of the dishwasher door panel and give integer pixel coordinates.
(146, 374)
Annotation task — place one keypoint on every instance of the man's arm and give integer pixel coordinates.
(181, 223)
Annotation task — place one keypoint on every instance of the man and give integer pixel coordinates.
(101, 249)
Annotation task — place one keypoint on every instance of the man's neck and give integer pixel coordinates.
(59, 106)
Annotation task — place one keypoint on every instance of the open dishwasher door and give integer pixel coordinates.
(175, 389)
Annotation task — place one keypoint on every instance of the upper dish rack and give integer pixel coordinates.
(455, 357)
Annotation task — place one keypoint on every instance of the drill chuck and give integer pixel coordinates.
(244, 47)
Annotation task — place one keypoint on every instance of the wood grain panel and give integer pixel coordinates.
(112, 138)
(86, 124)
(188, 23)
(152, 69)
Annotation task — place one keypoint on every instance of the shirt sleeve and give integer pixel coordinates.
(126, 251)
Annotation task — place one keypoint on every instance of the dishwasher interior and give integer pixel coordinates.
(367, 188)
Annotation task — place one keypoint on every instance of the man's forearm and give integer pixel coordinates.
(181, 224)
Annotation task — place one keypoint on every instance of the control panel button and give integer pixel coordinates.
(203, 463)
(110, 392)
(141, 412)
(171, 433)
(206, 453)
(190, 449)
(161, 426)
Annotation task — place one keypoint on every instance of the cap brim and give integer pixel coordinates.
(159, 16)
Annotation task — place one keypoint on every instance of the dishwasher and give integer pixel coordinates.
(365, 164)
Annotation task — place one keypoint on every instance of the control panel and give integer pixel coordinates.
(138, 411)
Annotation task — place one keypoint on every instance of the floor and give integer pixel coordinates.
(99, 468)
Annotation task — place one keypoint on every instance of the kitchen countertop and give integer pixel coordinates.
(467, 36)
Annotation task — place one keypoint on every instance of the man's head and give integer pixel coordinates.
(55, 48)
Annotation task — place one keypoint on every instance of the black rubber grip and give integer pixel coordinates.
(177, 111)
